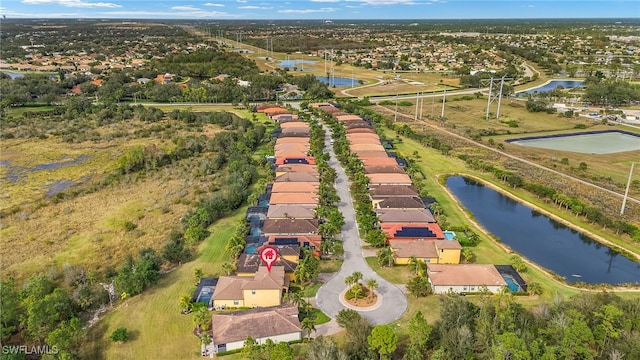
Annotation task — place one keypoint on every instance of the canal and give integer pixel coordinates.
(543, 240)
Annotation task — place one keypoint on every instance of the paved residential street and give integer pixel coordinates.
(393, 303)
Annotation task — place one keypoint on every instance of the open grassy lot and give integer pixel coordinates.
(160, 330)
(432, 164)
(467, 118)
(408, 83)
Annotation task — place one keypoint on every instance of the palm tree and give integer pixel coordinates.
(294, 298)
(372, 285)
(385, 256)
(185, 303)
(309, 326)
(228, 268)
(198, 274)
(357, 276)
(468, 255)
(413, 264)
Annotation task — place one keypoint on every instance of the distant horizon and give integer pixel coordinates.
(320, 10)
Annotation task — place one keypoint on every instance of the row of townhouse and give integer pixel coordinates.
(404, 216)
(285, 219)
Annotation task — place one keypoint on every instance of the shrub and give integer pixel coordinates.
(119, 335)
(129, 226)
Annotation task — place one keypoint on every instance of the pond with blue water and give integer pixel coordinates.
(338, 81)
(543, 240)
(588, 142)
(552, 85)
(294, 64)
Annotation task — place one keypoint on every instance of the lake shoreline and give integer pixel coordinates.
(537, 208)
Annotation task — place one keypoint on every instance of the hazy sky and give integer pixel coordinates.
(319, 9)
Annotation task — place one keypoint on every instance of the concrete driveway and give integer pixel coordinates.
(393, 302)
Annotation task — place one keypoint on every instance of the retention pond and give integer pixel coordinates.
(543, 240)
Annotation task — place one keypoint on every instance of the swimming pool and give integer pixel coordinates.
(449, 235)
(205, 295)
(511, 283)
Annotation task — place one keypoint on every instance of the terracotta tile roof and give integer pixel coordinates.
(294, 124)
(417, 248)
(291, 211)
(401, 202)
(386, 160)
(290, 226)
(313, 240)
(448, 244)
(392, 190)
(251, 263)
(282, 155)
(294, 199)
(384, 169)
(257, 323)
(397, 231)
(262, 108)
(389, 179)
(360, 130)
(365, 154)
(357, 124)
(285, 250)
(405, 216)
(366, 147)
(298, 177)
(464, 274)
(348, 118)
(296, 187)
(292, 140)
(309, 169)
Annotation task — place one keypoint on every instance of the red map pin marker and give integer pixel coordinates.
(268, 255)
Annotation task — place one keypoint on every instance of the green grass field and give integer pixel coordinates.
(154, 317)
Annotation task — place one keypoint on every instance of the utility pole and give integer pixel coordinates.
(497, 96)
(395, 117)
(626, 192)
(444, 97)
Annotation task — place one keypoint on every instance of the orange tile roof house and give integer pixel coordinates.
(365, 154)
(294, 158)
(371, 161)
(356, 124)
(360, 130)
(284, 211)
(366, 147)
(275, 111)
(295, 132)
(384, 169)
(263, 289)
(290, 227)
(300, 168)
(294, 199)
(281, 118)
(293, 124)
(249, 264)
(399, 202)
(292, 140)
(348, 118)
(282, 155)
(262, 108)
(464, 277)
(431, 252)
(404, 216)
(298, 177)
(412, 231)
(312, 241)
(363, 138)
(230, 330)
(388, 179)
(384, 191)
(296, 187)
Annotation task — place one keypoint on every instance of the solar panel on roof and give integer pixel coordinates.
(415, 232)
(285, 241)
